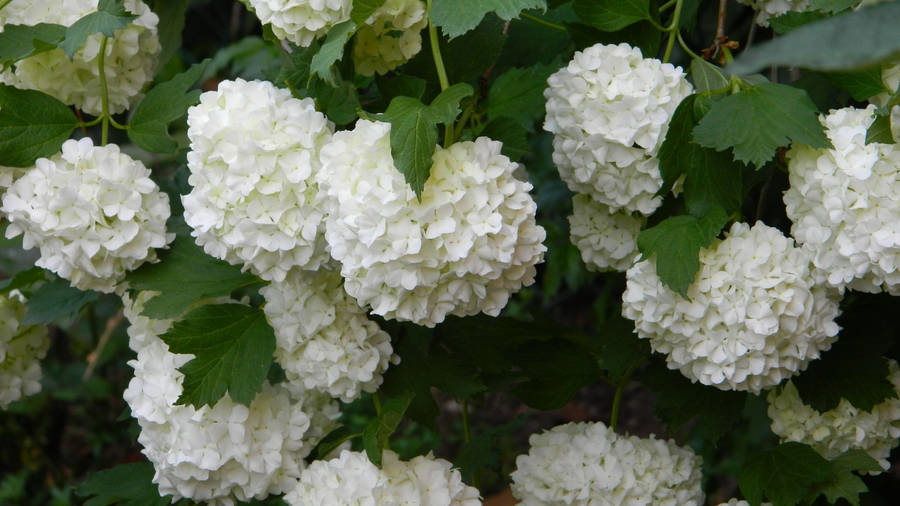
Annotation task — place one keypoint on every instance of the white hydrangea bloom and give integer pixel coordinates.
(767, 9)
(840, 429)
(21, 349)
(301, 21)
(584, 464)
(324, 340)
(222, 453)
(349, 480)
(390, 37)
(609, 110)
(606, 239)
(754, 316)
(92, 210)
(464, 248)
(845, 204)
(425, 481)
(131, 55)
(253, 161)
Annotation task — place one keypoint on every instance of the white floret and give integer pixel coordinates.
(425, 481)
(606, 239)
(253, 161)
(754, 315)
(767, 9)
(222, 453)
(349, 480)
(609, 110)
(390, 37)
(464, 248)
(324, 340)
(22, 347)
(845, 204)
(840, 429)
(301, 21)
(92, 210)
(583, 464)
(131, 55)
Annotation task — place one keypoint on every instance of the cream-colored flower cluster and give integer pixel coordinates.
(606, 239)
(130, 57)
(21, 349)
(390, 37)
(301, 21)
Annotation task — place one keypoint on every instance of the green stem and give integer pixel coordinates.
(617, 400)
(376, 400)
(3, 3)
(439, 67)
(467, 432)
(687, 49)
(667, 5)
(676, 15)
(544, 22)
(104, 92)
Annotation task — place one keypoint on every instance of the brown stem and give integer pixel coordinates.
(93, 356)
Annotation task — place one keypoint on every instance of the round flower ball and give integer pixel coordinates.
(390, 37)
(609, 110)
(22, 347)
(253, 159)
(92, 210)
(606, 239)
(216, 454)
(301, 21)
(752, 317)
(130, 57)
(840, 429)
(845, 204)
(324, 340)
(464, 248)
(581, 464)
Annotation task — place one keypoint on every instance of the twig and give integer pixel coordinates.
(94, 356)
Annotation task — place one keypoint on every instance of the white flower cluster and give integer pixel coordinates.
(741, 502)
(351, 480)
(589, 464)
(130, 56)
(225, 452)
(754, 316)
(21, 349)
(93, 211)
(253, 161)
(324, 339)
(606, 239)
(609, 110)
(890, 78)
(464, 248)
(840, 429)
(845, 204)
(767, 9)
(301, 21)
(390, 37)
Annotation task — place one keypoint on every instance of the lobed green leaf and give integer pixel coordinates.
(109, 17)
(456, 17)
(612, 15)
(21, 41)
(32, 125)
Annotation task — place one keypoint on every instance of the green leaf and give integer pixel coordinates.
(832, 6)
(295, 72)
(856, 39)
(23, 279)
(453, 376)
(126, 485)
(109, 17)
(362, 9)
(232, 346)
(792, 19)
(445, 107)
(622, 350)
(32, 125)
(21, 41)
(511, 133)
(861, 84)
(456, 17)
(183, 276)
(332, 441)
(332, 51)
(758, 120)
(785, 474)
(642, 35)
(171, 23)
(484, 450)
(555, 370)
(55, 300)
(675, 243)
(413, 375)
(396, 84)
(706, 76)
(844, 484)
(413, 139)
(612, 15)
(164, 104)
(340, 103)
(519, 94)
(880, 131)
(378, 431)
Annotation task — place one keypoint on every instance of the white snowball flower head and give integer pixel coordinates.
(583, 464)
(222, 453)
(609, 110)
(253, 161)
(840, 429)
(390, 37)
(464, 248)
(324, 340)
(92, 210)
(21, 349)
(130, 58)
(768, 9)
(754, 316)
(302, 21)
(845, 204)
(606, 239)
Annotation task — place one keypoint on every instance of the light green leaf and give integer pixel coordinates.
(362, 9)
(844, 484)
(519, 94)
(758, 120)
(785, 474)
(21, 41)
(109, 17)
(332, 51)
(379, 430)
(125, 485)
(456, 17)
(413, 140)
(445, 107)
(55, 300)
(612, 15)
(232, 345)
(511, 133)
(164, 103)
(706, 76)
(32, 125)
